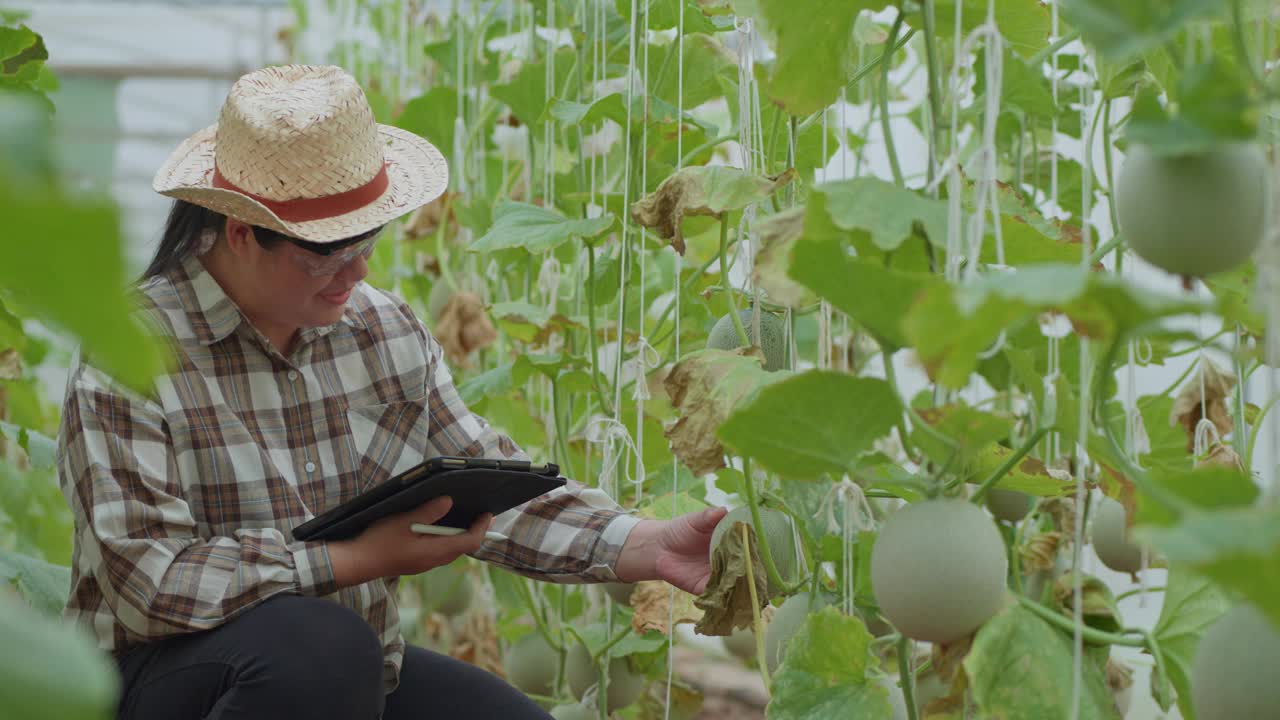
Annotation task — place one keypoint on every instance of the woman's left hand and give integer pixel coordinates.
(677, 551)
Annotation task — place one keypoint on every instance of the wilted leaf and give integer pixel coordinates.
(778, 234)
(703, 190)
(1220, 455)
(1191, 405)
(1020, 667)
(824, 674)
(726, 602)
(10, 364)
(706, 386)
(464, 328)
(651, 601)
(813, 423)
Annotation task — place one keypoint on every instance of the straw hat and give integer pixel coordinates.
(296, 149)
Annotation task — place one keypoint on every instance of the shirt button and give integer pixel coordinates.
(311, 467)
(293, 374)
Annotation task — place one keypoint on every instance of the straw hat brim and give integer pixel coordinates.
(417, 171)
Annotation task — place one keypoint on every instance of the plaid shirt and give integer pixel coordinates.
(184, 499)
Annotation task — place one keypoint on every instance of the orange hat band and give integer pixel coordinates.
(319, 208)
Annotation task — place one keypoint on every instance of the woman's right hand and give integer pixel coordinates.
(389, 548)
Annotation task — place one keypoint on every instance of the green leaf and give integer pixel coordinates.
(85, 297)
(1191, 605)
(52, 670)
(951, 326)
(814, 50)
(431, 115)
(1021, 667)
(877, 298)
(1216, 104)
(43, 584)
(824, 674)
(1239, 548)
(536, 229)
(495, 381)
(1024, 24)
(706, 60)
(40, 448)
(12, 334)
(1208, 487)
(972, 431)
(1029, 476)
(888, 212)
(526, 94)
(610, 107)
(813, 423)
(1123, 30)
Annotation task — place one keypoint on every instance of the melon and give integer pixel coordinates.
(620, 592)
(741, 643)
(574, 711)
(786, 622)
(778, 534)
(938, 569)
(530, 664)
(1009, 505)
(1110, 538)
(1235, 670)
(724, 336)
(1194, 214)
(625, 685)
(448, 590)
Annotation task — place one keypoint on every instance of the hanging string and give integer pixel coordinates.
(1082, 453)
(855, 516)
(642, 365)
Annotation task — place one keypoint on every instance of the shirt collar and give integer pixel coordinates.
(214, 315)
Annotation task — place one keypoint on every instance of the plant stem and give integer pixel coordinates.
(766, 553)
(935, 93)
(591, 329)
(886, 64)
(1055, 47)
(1136, 591)
(906, 678)
(724, 279)
(891, 377)
(870, 67)
(560, 431)
(1095, 636)
(609, 645)
(757, 626)
(1008, 465)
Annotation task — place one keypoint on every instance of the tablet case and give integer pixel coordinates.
(478, 486)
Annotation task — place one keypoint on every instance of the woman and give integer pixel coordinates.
(294, 387)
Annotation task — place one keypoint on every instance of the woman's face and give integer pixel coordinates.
(287, 287)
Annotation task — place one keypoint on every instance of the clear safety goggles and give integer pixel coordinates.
(329, 259)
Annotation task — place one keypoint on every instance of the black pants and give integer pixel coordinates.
(309, 658)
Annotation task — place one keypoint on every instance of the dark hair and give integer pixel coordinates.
(188, 221)
(182, 231)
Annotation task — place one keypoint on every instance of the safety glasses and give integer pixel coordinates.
(322, 259)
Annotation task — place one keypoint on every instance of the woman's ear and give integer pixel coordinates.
(239, 236)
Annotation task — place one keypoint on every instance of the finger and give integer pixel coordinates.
(433, 510)
(707, 520)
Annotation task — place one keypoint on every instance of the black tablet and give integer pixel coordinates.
(477, 485)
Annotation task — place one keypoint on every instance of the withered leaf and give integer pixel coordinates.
(778, 234)
(706, 387)
(651, 600)
(1190, 405)
(701, 190)
(464, 327)
(727, 600)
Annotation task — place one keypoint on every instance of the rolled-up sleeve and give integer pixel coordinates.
(156, 573)
(570, 535)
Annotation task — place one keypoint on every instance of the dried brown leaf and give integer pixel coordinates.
(10, 365)
(1191, 404)
(464, 327)
(651, 600)
(706, 387)
(727, 600)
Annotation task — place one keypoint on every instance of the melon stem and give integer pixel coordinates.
(757, 625)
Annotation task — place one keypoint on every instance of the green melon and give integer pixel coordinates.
(448, 589)
(1110, 538)
(786, 622)
(530, 664)
(724, 336)
(778, 534)
(741, 643)
(1009, 505)
(1236, 667)
(938, 569)
(574, 711)
(625, 685)
(620, 592)
(1194, 214)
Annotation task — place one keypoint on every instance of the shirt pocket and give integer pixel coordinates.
(388, 438)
